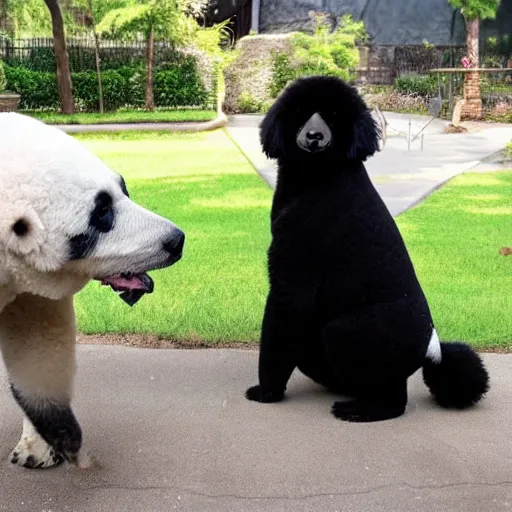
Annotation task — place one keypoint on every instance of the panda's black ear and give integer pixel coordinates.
(21, 229)
(272, 134)
(365, 140)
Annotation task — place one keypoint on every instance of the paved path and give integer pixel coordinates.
(402, 177)
(173, 431)
(214, 124)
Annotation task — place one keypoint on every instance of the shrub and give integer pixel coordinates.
(3, 80)
(174, 86)
(37, 89)
(508, 150)
(419, 85)
(324, 52)
(247, 104)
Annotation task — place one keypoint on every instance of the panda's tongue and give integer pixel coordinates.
(132, 286)
(128, 282)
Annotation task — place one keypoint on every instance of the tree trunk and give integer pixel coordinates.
(97, 55)
(98, 68)
(472, 107)
(3, 16)
(61, 55)
(472, 41)
(150, 97)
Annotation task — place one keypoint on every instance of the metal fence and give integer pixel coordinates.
(38, 53)
(495, 91)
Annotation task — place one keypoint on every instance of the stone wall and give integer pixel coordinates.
(250, 74)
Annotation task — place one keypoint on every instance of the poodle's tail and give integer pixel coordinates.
(455, 374)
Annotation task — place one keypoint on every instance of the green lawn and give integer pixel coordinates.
(217, 292)
(454, 238)
(202, 183)
(128, 116)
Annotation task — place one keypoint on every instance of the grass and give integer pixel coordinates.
(454, 238)
(216, 294)
(125, 116)
(203, 184)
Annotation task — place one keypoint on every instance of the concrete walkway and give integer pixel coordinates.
(402, 177)
(219, 122)
(173, 431)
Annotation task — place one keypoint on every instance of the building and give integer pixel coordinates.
(388, 22)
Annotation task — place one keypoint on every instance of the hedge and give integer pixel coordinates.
(176, 85)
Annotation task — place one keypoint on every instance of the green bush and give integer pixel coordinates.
(175, 85)
(419, 85)
(37, 89)
(324, 52)
(3, 80)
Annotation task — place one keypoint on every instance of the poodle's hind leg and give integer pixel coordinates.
(37, 338)
(375, 351)
(379, 404)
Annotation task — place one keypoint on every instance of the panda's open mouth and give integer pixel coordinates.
(131, 287)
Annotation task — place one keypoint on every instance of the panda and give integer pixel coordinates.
(65, 219)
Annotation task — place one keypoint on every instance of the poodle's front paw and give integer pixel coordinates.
(33, 452)
(257, 395)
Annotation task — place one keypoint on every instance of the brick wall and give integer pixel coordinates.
(472, 107)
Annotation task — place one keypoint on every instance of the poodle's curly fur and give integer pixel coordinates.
(345, 305)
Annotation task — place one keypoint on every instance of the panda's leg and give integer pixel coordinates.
(374, 351)
(37, 338)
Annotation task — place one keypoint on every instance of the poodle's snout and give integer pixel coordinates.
(312, 135)
(315, 135)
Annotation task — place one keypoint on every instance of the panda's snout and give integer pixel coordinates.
(174, 244)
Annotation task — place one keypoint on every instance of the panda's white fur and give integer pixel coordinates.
(49, 185)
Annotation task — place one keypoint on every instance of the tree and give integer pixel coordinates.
(474, 11)
(64, 83)
(163, 19)
(24, 17)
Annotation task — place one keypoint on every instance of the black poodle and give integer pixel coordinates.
(345, 305)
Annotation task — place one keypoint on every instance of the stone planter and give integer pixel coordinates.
(9, 102)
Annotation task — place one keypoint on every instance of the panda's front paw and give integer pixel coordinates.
(34, 453)
(256, 394)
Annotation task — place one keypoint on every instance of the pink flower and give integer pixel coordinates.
(466, 63)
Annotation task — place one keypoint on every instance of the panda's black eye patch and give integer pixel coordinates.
(102, 217)
(123, 187)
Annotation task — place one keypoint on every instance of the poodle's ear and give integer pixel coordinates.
(272, 135)
(21, 229)
(365, 141)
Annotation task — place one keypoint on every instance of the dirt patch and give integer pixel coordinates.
(152, 341)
